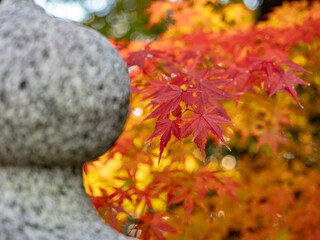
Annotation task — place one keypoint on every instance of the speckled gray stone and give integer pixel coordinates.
(48, 204)
(64, 96)
(64, 90)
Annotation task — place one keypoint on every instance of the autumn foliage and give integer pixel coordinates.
(222, 141)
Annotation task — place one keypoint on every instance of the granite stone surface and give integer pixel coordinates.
(48, 204)
(64, 90)
(64, 98)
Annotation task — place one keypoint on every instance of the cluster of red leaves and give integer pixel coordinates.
(185, 84)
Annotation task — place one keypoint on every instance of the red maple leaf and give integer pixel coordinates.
(145, 195)
(169, 180)
(138, 58)
(154, 226)
(294, 66)
(240, 79)
(276, 79)
(272, 138)
(201, 123)
(199, 183)
(207, 88)
(284, 82)
(188, 196)
(167, 128)
(226, 187)
(168, 101)
(205, 180)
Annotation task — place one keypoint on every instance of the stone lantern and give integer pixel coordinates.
(64, 98)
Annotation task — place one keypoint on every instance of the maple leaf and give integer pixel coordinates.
(111, 215)
(146, 196)
(199, 183)
(138, 58)
(167, 128)
(120, 195)
(295, 66)
(203, 122)
(169, 180)
(272, 138)
(226, 187)
(188, 197)
(205, 180)
(277, 79)
(154, 225)
(285, 82)
(168, 101)
(173, 92)
(180, 79)
(207, 88)
(240, 79)
(156, 87)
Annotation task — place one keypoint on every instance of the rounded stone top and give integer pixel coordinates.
(64, 90)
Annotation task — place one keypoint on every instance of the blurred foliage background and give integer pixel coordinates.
(127, 19)
(119, 19)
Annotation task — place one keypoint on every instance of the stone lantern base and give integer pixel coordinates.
(48, 204)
